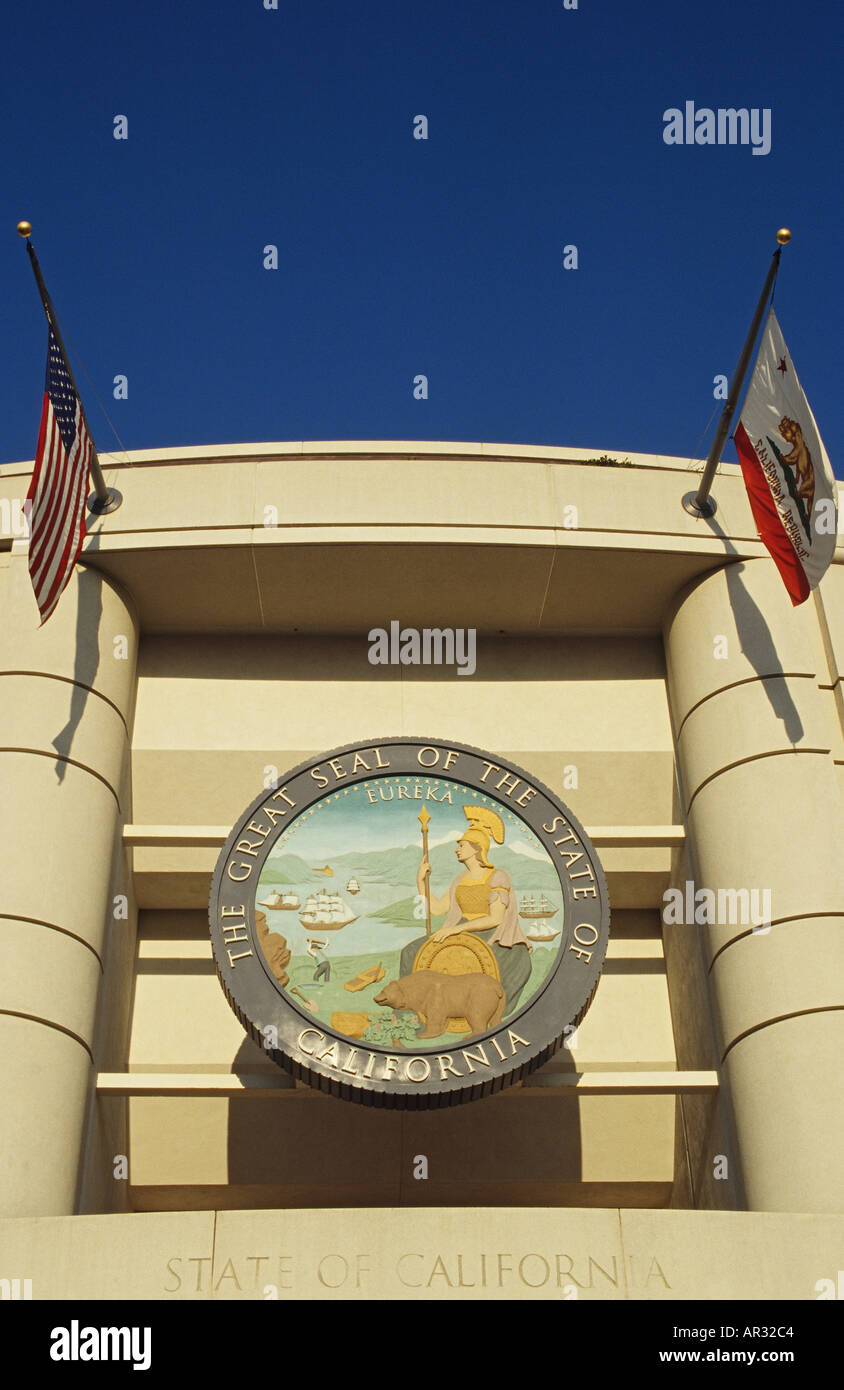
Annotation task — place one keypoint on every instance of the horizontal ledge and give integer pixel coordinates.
(527, 534)
(629, 1083)
(228, 1084)
(215, 836)
(278, 450)
(629, 951)
(636, 836)
(176, 836)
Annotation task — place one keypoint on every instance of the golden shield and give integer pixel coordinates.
(462, 954)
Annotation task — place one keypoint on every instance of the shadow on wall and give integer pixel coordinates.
(314, 1149)
(86, 663)
(757, 644)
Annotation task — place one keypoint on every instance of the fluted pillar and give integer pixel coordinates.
(764, 812)
(66, 694)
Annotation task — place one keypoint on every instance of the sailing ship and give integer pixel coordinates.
(352, 886)
(542, 933)
(328, 911)
(280, 902)
(531, 908)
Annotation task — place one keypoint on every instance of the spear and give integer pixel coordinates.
(424, 819)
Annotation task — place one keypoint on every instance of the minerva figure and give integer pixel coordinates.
(480, 899)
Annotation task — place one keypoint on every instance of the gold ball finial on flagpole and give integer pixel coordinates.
(783, 236)
(24, 229)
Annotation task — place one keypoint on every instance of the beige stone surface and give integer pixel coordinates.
(100, 1190)
(66, 697)
(746, 722)
(174, 1142)
(211, 786)
(440, 1253)
(628, 1022)
(704, 1129)
(420, 585)
(50, 716)
(830, 601)
(182, 1021)
(795, 968)
(529, 1254)
(203, 740)
(180, 585)
(611, 705)
(404, 522)
(69, 818)
(251, 581)
(106, 1257)
(739, 604)
(838, 697)
(206, 694)
(196, 730)
(756, 768)
(46, 1078)
(78, 643)
(448, 490)
(787, 1084)
(831, 700)
(607, 498)
(36, 963)
(253, 655)
(254, 693)
(740, 1256)
(417, 477)
(743, 824)
(196, 497)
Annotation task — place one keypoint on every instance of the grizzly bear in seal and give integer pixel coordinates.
(477, 998)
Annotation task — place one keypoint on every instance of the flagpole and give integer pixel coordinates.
(700, 503)
(104, 499)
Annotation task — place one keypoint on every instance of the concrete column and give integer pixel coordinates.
(763, 811)
(66, 695)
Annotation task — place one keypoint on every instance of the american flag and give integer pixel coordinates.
(59, 484)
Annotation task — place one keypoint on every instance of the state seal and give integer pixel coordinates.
(409, 922)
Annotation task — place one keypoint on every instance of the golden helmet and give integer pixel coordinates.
(483, 826)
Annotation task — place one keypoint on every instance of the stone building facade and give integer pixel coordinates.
(645, 665)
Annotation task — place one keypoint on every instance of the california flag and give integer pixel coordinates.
(786, 469)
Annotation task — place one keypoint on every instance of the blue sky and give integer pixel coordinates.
(397, 257)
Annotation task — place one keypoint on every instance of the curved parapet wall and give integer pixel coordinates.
(66, 696)
(762, 806)
(331, 536)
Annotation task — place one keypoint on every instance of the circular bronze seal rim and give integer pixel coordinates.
(557, 1006)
